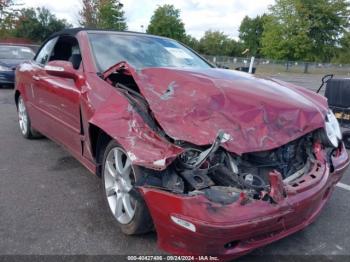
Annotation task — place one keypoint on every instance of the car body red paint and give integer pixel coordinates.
(259, 114)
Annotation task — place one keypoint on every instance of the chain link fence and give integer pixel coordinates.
(269, 66)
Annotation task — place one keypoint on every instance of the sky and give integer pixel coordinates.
(198, 15)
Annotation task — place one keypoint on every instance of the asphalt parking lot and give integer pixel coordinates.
(51, 205)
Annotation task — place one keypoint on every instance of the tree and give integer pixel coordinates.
(5, 10)
(343, 51)
(8, 14)
(304, 29)
(88, 14)
(37, 24)
(103, 14)
(166, 22)
(191, 42)
(4, 6)
(236, 48)
(110, 15)
(217, 43)
(250, 33)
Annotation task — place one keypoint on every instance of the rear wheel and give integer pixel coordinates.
(124, 201)
(24, 121)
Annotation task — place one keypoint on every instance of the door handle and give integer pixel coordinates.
(36, 78)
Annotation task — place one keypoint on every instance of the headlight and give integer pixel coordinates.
(332, 129)
(4, 68)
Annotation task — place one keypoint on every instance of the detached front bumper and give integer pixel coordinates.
(229, 231)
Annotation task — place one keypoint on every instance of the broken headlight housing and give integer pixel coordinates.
(332, 129)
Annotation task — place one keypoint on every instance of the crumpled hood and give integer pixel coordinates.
(259, 114)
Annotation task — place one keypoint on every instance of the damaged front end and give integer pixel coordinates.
(211, 199)
(224, 177)
(228, 205)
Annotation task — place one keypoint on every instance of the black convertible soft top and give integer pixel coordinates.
(69, 31)
(74, 31)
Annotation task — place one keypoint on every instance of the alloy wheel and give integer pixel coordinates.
(118, 182)
(22, 116)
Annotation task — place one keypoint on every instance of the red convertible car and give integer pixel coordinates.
(218, 162)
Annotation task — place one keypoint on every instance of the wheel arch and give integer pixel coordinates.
(99, 140)
(17, 94)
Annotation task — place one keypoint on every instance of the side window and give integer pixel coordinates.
(67, 49)
(44, 54)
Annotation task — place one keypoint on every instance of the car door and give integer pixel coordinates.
(59, 98)
(31, 73)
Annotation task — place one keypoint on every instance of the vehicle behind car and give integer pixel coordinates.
(11, 55)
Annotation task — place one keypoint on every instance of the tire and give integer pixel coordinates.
(124, 201)
(24, 121)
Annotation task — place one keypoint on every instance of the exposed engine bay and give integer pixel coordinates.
(221, 176)
(211, 170)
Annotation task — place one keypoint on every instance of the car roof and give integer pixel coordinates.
(74, 31)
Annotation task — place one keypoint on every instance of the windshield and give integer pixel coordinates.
(142, 51)
(16, 52)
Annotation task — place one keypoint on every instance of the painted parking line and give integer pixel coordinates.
(343, 186)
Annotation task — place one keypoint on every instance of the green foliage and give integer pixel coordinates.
(166, 22)
(191, 42)
(103, 14)
(5, 10)
(37, 24)
(250, 33)
(6, 26)
(88, 14)
(304, 29)
(217, 43)
(8, 14)
(343, 52)
(110, 15)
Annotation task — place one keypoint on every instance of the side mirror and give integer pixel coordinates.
(61, 69)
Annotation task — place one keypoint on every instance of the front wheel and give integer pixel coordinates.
(124, 201)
